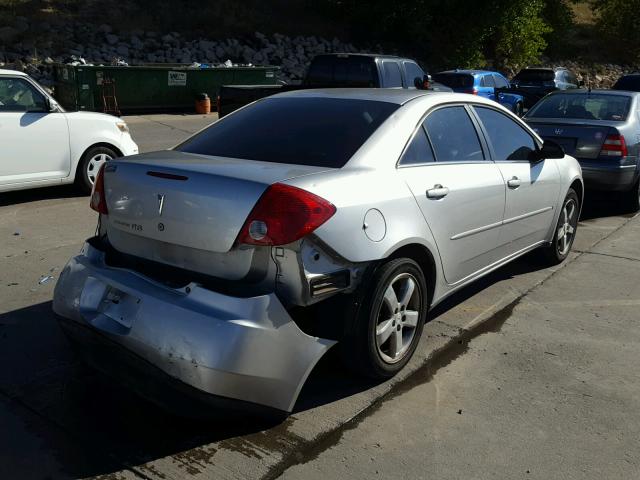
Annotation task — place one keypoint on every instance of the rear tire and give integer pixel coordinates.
(631, 199)
(390, 321)
(565, 231)
(89, 165)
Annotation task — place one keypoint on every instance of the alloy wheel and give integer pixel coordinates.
(567, 226)
(398, 318)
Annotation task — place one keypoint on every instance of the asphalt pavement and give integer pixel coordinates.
(529, 373)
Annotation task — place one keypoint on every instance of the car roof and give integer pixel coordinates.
(577, 91)
(389, 95)
(12, 72)
(548, 69)
(473, 72)
(368, 55)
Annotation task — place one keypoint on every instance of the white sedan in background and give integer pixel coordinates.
(43, 145)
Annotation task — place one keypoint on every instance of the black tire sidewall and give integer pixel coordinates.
(82, 180)
(368, 359)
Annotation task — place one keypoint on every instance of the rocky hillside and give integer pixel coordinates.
(100, 44)
(33, 46)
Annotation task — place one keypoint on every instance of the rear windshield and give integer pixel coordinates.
(587, 106)
(323, 132)
(535, 76)
(630, 82)
(454, 80)
(351, 71)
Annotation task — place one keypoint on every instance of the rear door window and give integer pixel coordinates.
(418, 151)
(392, 77)
(319, 131)
(509, 140)
(412, 71)
(453, 135)
(500, 81)
(487, 81)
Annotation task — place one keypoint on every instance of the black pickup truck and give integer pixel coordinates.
(337, 70)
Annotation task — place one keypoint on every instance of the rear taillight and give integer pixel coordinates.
(472, 91)
(283, 215)
(98, 200)
(614, 146)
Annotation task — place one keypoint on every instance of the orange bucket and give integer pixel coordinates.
(203, 104)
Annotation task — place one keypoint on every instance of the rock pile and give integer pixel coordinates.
(34, 48)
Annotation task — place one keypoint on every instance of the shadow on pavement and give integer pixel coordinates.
(36, 194)
(107, 427)
(602, 204)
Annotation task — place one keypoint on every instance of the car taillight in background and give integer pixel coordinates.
(98, 199)
(472, 91)
(283, 215)
(614, 146)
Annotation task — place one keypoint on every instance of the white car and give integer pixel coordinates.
(43, 145)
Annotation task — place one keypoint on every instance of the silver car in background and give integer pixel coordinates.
(601, 129)
(227, 267)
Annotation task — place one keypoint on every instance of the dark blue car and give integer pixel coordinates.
(483, 83)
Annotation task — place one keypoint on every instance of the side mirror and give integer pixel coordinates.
(580, 83)
(550, 149)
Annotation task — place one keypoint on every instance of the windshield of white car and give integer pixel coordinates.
(587, 106)
(323, 132)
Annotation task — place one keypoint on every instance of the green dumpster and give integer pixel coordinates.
(149, 87)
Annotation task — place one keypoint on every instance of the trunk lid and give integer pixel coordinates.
(174, 199)
(577, 138)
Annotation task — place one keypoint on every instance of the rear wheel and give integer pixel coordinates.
(89, 166)
(390, 322)
(565, 231)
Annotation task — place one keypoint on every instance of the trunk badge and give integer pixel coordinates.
(160, 204)
(558, 131)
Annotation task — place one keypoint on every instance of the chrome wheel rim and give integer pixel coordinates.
(398, 317)
(94, 164)
(567, 226)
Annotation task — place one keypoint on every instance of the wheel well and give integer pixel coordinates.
(423, 257)
(577, 186)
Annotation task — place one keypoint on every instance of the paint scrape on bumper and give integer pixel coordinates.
(246, 349)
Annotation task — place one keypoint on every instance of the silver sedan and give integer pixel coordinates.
(225, 268)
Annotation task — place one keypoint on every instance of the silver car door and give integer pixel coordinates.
(459, 190)
(532, 188)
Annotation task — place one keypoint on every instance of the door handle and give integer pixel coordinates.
(514, 182)
(438, 191)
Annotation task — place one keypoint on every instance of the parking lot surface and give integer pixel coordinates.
(530, 372)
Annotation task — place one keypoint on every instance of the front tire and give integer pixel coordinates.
(390, 321)
(89, 166)
(565, 231)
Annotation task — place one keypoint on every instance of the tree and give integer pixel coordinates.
(618, 22)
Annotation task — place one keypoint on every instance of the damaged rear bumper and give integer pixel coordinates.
(212, 345)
